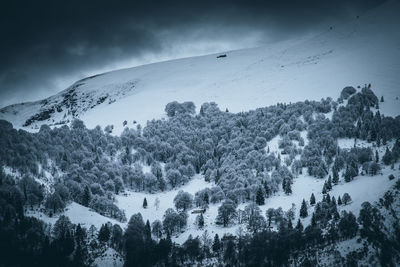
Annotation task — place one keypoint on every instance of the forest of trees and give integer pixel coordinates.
(30, 242)
(91, 166)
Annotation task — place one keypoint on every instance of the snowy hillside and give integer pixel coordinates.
(364, 50)
(287, 182)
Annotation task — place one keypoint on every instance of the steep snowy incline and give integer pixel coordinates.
(365, 50)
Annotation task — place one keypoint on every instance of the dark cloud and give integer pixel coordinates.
(44, 42)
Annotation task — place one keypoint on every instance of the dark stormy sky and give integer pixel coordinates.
(47, 45)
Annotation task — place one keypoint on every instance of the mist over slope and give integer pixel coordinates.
(365, 50)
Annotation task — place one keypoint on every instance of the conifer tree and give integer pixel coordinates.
(200, 221)
(299, 226)
(260, 200)
(335, 174)
(324, 189)
(147, 229)
(86, 197)
(288, 187)
(329, 184)
(104, 233)
(339, 201)
(290, 225)
(313, 220)
(216, 246)
(312, 199)
(303, 209)
(145, 203)
(387, 158)
(206, 198)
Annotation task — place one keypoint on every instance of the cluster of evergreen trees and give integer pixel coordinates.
(91, 166)
(260, 246)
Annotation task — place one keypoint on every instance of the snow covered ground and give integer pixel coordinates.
(132, 202)
(365, 50)
(77, 214)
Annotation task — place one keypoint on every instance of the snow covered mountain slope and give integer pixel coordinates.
(365, 50)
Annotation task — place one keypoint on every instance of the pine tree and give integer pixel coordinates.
(324, 188)
(104, 233)
(216, 246)
(147, 229)
(387, 158)
(329, 184)
(260, 200)
(312, 199)
(206, 198)
(87, 196)
(303, 209)
(335, 174)
(200, 221)
(382, 100)
(290, 225)
(313, 220)
(339, 201)
(376, 156)
(333, 201)
(350, 173)
(145, 203)
(81, 252)
(328, 198)
(299, 226)
(288, 186)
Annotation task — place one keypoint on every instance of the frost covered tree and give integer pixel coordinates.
(157, 203)
(54, 203)
(183, 200)
(255, 221)
(174, 222)
(346, 198)
(226, 213)
(174, 177)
